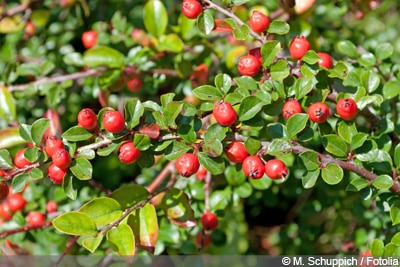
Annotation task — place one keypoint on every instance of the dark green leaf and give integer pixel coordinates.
(215, 165)
(176, 207)
(310, 160)
(77, 133)
(278, 27)
(207, 92)
(280, 70)
(212, 147)
(216, 131)
(187, 133)
(19, 181)
(249, 107)
(75, 223)
(279, 147)
(252, 145)
(142, 142)
(133, 112)
(310, 178)
(358, 140)
(171, 112)
(295, 124)
(38, 129)
(335, 145)
(269, 50)
(205, 22)
(357, 184)
(234, 175)
(5, 159)
(129, 195)
(223, 82)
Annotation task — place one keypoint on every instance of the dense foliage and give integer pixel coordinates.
(187, 89)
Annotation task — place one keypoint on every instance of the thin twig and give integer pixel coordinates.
(25, 228)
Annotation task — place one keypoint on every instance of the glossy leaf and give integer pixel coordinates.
(278, 27)
(6, 159)
(82, 169)
(347, 48)
(205, 22)
(19, 182)
(310, 57)
(142, 142)
(246, 82)
(296, 123)
(219, 199)
(38, 129)
(7, 105)
(92, 243)
(187, 133)
(212, 147)
(129, 195)
(75, 223)
(144, 224)
(77, 133)
(241, 33)
(122, 240)
(176, 207)
(384, 51)
(383, 182)
(215, 165)
(261, 184)
(332, 174)
(103, 56)
(170, 42)
(207, 92)
(310, 178)
(357, 184)
(279, 147)
(310, 160)
(249, 107)
(223, 82)
(397, 155)
(133, 112)
(391, 89)
(280, 70)
(155, 17)
(10, 137)
(102, 210)
(377, 247)
(335, 145)
(395, 213)
(269, 51)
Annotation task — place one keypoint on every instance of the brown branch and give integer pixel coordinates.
(168, 169)
(57, 79)
(70, 244)
(25, 228)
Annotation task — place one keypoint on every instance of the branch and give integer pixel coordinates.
(58, 79)
(25, 228)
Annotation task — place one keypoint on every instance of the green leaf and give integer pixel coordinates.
(7, 105)
(384, 51)
(103, 56)
(205, 22)
(367, 59)
(280, 70)
(144, 224)
(310, 160)
(347, 48)
(295, 124)
(278, 27)
(173, 151)
(176, 207)
(77, 133)
(332, 174)
(69, 188)
(19, 181)
(357, 184)
(391, 89)
(249, 108)
(130, 195)
(10, 137)
(310, 178)
(155, 17)
(383, 182)
(234, 175)
(6, 159)
(335, 145)
(82, 169)
(121, 240)
(102, 210)
(261, 184)
(396, 239)
(246, 82)
(303, 86)
(170, 42)
(142, 142)
(92, 243)
(38, 129)
(215, 165)
(279, 147)
(241, 33)
(395, 213)
(36, 173)
(347, 131)
(187, 133)
(377, 247)
(396, 155)
(220, 199)
(269, 50)
(370, 80)
(133, 112)
(24, 131)
(310, 57)
(216, 131)
(252, 145)
(223, 82)
(75, 223)
(212, 147)
(171, 112)
(208, 93)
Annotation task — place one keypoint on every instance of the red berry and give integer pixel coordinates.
(299, 47)
(249, 65)
(16, 202)
(19, 160)
(89, 39)
(128, 153)
(257, 53)
(258, 22)
(61, 158)
(152, 130)
(325, 60)
(3, 190)
(209, 221)
(224, 114)
(275, 169)
(113, 121)
(318, 112)
(52, 145)
(135, 84)
(87, 119)
(201, 174)
(290, 108)
(253, 167)
(187, 164)
(51, 206)
(30, 30)
(236, 152)
(56, 174)
(346, 108)
(35, 218)
(5, 211)
(203, 239)
(191, 8)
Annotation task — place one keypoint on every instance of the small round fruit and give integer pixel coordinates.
(35, 218)
(61, 158)
(209, 221)
(276, 169)
(257, 53)
(5, 211)
(201, 174)
(19, 160)
(16, 202)
(299, 47)
(191, 8)
(53, 144)
(56, 174)
(51, 206)
(236, 152)
(113, 121)
(259, 22)
(290, 108)
(249, 65)
(224, 114)
(187, 164)
(135, 84)
(325, 60)
(87, 119)
(318, 112)
(253, 167)
(4, 190)
(128, 153)
(30, 30)
(346, 108)
(89, 39)
(203, 239)
(151, 130)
